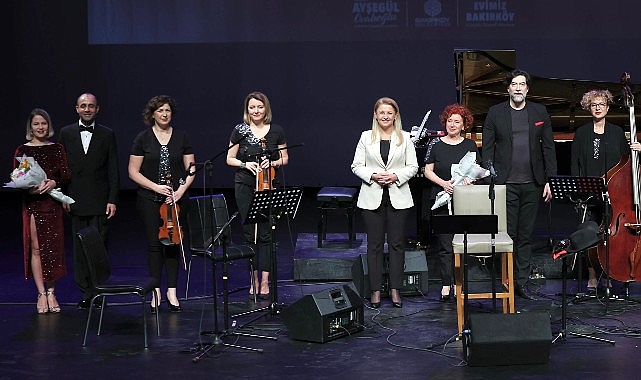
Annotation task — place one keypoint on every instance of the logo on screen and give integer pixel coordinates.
(376, 14)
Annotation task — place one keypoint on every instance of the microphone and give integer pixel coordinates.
(490, 167)
(433, 133)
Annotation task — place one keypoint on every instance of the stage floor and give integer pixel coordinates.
(415, 342)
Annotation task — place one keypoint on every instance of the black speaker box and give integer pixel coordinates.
(504, 339)
(325, 315)
(415, 279)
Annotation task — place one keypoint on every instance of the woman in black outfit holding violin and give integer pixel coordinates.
(258, 149)
(160, 159)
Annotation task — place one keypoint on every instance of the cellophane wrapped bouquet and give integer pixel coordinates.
(30, 174)
(466, 168)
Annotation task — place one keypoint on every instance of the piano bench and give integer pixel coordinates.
(336, 198)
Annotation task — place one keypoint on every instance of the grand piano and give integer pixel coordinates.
(480, 76)
(480, 84)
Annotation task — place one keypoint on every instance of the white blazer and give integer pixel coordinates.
(401, 161)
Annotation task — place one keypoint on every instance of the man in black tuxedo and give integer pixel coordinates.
(518, 142)
(95, 182)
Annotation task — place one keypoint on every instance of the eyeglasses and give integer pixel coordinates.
(598, 105)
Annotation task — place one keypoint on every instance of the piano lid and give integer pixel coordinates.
(480, 84)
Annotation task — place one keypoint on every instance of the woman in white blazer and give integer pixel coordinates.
(385, 160)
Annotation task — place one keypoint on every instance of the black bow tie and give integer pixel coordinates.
(86, 129)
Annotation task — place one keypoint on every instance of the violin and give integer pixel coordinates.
(265, 177)
(170, 232)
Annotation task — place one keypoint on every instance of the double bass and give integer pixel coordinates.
(620, 252)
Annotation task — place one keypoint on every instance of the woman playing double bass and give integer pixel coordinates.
(598, 146)
(258, 147)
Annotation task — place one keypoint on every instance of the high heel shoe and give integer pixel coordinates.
(375, 305)
(153, 309)
(53, 308)
(397, 304)
(45, 309)
(174, 308)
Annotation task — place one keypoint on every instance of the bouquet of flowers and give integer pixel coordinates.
(29, 174)
(466, 168)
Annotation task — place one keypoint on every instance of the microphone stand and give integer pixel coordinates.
(492, 196)
(208, 164)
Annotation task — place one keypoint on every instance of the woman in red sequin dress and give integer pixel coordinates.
(42, 216)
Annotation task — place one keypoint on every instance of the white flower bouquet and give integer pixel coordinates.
(30, 174)
(466, 168)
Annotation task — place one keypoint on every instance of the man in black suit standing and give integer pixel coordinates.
(519, 144)
(95, 182)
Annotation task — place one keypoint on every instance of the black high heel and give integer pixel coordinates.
(174, 308)
(397, 304)
(375, 305)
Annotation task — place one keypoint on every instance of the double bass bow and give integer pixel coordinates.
(620, 255)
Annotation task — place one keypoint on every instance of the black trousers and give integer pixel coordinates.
(160, 256)
(379, 223)
(80, 267)
(444, 250)
(263, 246)
(522, 207)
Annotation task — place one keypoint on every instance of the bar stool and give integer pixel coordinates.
(336, 198)
(474, 200)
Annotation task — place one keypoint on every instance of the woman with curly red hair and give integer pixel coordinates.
(442, 152)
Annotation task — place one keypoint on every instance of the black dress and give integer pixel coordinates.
(443, 155)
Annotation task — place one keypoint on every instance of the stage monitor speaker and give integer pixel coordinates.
(504, 339)
(415, 278)
(325, 315)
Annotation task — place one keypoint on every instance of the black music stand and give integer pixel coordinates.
(579, 190)
(567, 186)
(269, 206)
(466, 224)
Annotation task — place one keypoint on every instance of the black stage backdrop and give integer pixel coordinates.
(323, 63)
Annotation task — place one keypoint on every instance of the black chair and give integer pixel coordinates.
(210, 237)
(208, 219)
(104, 284)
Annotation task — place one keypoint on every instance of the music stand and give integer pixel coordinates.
(466, 224)
(268, 206)
(567, 186)
(578, 190)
